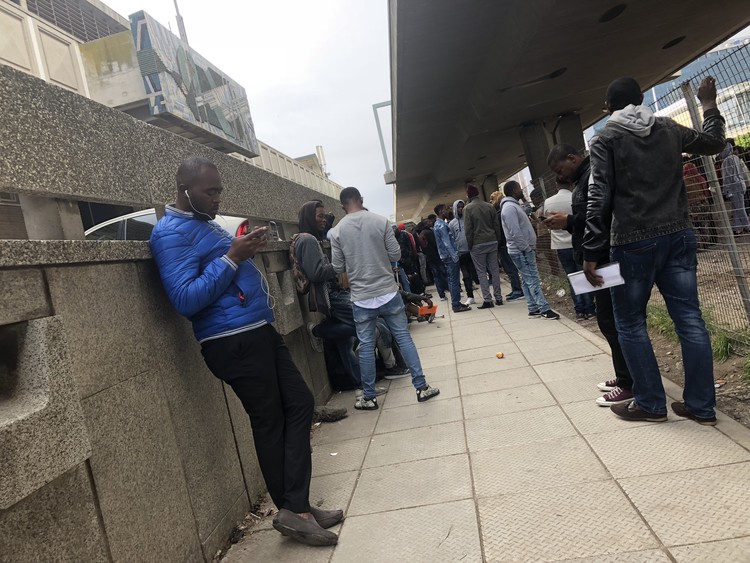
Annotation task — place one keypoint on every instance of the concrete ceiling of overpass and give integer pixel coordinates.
(466, 75)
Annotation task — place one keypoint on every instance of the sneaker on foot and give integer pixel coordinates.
(462, 309)
(631, 411)
(535, 314)
(443, 298)
(678, 407)
(550, 315)
(498, 302)
(581, 316)
(615, 397)
(396, 372)
(426, 393)
(470, 301)
(514, 296)
(486, 305)
(315, 341)
(608, 385)
(362, 404)
(378, 392)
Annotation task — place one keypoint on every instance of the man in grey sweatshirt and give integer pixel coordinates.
(363, 246)
(521, 240)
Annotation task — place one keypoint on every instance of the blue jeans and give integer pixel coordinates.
(670, 262)
(404, 280)
(341, 329)
(454, 282)
(583, 303)
(438, 275)
(532, 286)
(394, 315)
(510, 269)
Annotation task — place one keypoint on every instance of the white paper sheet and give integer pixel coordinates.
(610, 273)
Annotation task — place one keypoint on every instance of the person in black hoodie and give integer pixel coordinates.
(567, 162)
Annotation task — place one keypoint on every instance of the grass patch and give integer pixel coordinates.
(659, 321)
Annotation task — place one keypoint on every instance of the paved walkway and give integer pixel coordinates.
(514, 462)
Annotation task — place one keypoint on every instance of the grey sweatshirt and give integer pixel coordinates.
(519, 233)
(363, 246)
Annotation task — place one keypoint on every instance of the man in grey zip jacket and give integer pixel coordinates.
(363, 246)
(457, 227)
(521, 241)
(638, 203)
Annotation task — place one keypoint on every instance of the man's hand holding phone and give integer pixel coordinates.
(246, 246)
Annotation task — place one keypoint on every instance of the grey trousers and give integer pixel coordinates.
(485, 261)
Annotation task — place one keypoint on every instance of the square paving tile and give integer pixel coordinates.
(432, 375)
(572, 521)
(357, 424)
(538, 465)
(517, 428)
(478, 335)
(339, 457)
(418, 415)
(727, 551)
(651, 556)
(416, 483)
(435, 337)
(560, 371)
(499, 380)
(590, 418)
(446, 533)
(475, 316)
(537, 330)
(576, 389)
(402, 396)
(270, 545)
(417, 443)
(436, 356)
(484, 352)
(491, 364)
(555, 348)
(661, 448)
(694, 506)
(507, 400)
(333, 491)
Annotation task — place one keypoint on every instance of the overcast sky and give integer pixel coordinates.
(312, 71)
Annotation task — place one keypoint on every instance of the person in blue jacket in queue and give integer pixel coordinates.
(211, 278)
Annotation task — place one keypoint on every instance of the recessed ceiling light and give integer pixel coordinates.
(675, 41)
(612, 13)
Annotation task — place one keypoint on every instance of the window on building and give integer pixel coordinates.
(77, 17)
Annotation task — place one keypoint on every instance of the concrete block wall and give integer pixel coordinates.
(144, 454)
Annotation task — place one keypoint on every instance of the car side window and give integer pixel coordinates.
(113, 231)
(139, 228)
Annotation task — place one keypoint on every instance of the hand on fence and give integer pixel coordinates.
(707, 93)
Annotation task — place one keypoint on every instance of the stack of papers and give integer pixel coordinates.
(610, 273)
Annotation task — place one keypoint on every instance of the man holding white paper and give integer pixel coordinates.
(566, 161)
(638, 203)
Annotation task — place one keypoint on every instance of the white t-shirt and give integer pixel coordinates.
(561, 201)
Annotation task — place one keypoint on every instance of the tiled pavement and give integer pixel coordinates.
(513, 461)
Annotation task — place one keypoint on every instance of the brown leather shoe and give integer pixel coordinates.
(326, 518)
(304, 531)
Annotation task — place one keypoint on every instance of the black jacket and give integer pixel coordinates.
(637, 191)
(577, 219)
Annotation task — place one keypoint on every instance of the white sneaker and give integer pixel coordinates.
(315, 341)
(470, 301)
(443, 299)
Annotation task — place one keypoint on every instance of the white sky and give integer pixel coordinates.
(312, 71)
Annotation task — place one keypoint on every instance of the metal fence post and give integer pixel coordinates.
(718, 199)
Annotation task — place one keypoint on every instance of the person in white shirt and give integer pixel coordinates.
(562, 243)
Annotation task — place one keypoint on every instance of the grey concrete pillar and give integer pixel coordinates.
(537, 142)
(51, 219)
(569, 131)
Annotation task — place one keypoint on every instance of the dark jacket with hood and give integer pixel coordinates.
(577, 220)
(637, 190)
(314, 262)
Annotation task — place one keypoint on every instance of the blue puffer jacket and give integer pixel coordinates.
(219, 297)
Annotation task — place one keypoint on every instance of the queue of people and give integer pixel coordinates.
(640, 220)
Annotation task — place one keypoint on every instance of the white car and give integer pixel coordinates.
(138, 226)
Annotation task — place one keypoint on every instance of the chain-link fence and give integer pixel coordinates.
(717, 192)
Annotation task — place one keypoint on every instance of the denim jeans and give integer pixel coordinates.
(404, 280)
(454, 283)
(583, 303)
(532, 286)
(439, 276)
(510, 269)
(394, 315)
(670, 262)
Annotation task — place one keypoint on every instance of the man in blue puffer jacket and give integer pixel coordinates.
(211, 279)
